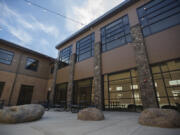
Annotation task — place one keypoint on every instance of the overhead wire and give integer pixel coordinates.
(53, 12)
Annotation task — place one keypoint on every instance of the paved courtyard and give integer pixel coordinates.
(66, 123)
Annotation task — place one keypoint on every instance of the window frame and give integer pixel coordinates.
(121, 29)
(26, 67)
(85, 45)
(7, 51)
(67, 52)
(148, 25)
(161, 73)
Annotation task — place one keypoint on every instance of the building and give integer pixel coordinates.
(129, 56)
(25, 75)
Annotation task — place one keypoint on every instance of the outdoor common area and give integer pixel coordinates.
(66, 123)
(116, 74)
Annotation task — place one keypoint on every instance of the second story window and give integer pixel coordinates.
(85, 47)
(115, 34)
(32, 64)
(65, 55)
(158, 15)
(6, 57)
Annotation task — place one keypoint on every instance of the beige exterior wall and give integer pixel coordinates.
(39, 88)
(8, 78)
(161, 46)
(164, 45)
(38, 79)
(62, 75)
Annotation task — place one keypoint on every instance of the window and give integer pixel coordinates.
(32, 64)
(85, 47)
(167, 82)
(158, 15)
(82, 93)
(60, 93)
(6, 57)
(65, 57)
(1, 88)
(121, 90)
(115, 34)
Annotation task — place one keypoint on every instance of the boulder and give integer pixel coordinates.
(90, 114)
(165, 118)
(20, 114)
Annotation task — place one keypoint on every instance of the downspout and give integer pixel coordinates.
(15, 79)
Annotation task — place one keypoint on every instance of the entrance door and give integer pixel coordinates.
(25, 95)
(83, 91)
(85, 95)
(60, 93)
(1, 88)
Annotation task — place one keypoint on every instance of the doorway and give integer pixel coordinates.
(25, 95)
(83, 92)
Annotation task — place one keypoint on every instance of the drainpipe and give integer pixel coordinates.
(15, 79)
(54, 79)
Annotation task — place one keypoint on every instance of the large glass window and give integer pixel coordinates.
(61, 93)
(158, 15)
(65, 55)
(167, 82)
(83, 92)
(1, 88)
(85, 47)
(32, 64)
(121, 90)
(115, 34)
(6, 57)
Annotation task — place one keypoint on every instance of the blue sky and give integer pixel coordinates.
(41, 31)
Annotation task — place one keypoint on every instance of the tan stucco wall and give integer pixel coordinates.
(39, 90)
(38, 79)
(8, 78)
(164, 45)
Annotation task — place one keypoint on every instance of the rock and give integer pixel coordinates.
(20, 114)
(91, 114)
(165, 118)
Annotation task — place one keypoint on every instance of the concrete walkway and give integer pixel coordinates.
(66, 123)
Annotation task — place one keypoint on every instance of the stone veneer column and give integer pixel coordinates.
(97, 76)
(148, 94)
(71, 80)
(56, 63)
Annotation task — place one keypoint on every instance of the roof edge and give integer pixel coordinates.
(13, 45)
(105, 16)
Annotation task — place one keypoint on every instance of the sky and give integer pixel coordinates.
(36, 29)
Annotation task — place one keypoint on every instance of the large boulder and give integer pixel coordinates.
(165, 118)
(91, 114)
(20, 114)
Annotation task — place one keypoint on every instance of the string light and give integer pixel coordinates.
(51, 11)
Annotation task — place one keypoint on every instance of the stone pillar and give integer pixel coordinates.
(148, 94)
(98, 94)
(71, 80)
(56, 64)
